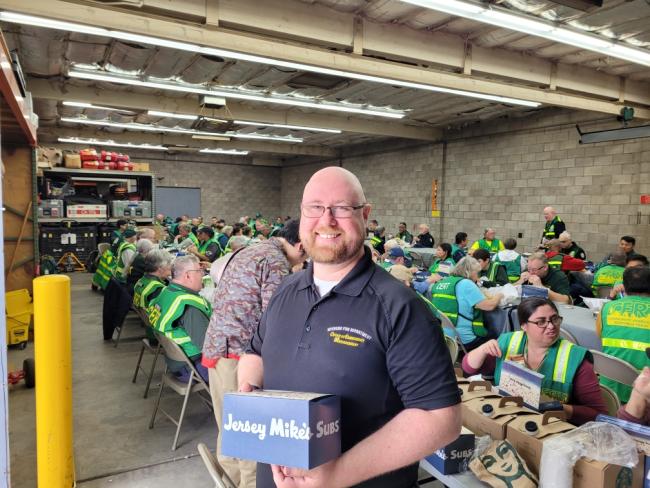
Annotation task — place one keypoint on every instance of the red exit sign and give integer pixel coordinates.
(645, 199)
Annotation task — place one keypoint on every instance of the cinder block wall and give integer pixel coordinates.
(502, 174)
(228, 191)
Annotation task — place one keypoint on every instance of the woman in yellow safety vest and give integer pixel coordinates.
(568, 370)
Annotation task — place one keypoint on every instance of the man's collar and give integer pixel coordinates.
(352, 284)
(183, 287)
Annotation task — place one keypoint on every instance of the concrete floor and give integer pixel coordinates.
(112, 442)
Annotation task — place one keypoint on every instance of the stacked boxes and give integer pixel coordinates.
(50, 208)
(126, 208)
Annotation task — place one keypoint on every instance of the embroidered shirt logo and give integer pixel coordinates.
(348, 336)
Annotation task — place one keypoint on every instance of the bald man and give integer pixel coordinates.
(346, 327)
(554, 225)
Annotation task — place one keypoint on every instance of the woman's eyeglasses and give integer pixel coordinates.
(556, 320)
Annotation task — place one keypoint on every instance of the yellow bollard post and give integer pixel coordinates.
(53, 361)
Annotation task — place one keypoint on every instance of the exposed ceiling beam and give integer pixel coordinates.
(51, 134)
(407, 44)
(55, 90)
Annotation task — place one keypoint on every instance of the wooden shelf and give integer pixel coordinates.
(56, 220)
(99, 173)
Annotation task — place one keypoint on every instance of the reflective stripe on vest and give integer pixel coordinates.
(119, 268)
(447, 304)
(562, 361)
(549, 228)
(200, 302)
(494, 246)
(514, 343)
(626, 344)
(556, 261)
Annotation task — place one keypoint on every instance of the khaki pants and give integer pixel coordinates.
(223, 379)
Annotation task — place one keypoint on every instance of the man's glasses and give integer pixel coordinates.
(190, 270)
(535, 270)
(556, 320)
(338, 211)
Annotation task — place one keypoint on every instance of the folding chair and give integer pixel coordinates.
(156, 350)
(194, 384)
(565, 334)
(448, 324)
(452, 345)
(611, 400)
(614, 368)
(217, 473)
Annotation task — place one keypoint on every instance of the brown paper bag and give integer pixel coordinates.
(501, 467)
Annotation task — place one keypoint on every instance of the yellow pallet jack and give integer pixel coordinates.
(69, 262)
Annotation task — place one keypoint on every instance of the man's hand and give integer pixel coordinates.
(535, 281)
(616, 290)
(434, 278)
(247, 388)
(192, 249)
(321, 476)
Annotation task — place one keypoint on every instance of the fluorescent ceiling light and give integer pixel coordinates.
(238, 95)
(224, 151)
(96, 107)
(156, 113)
(462, 8)
(177, 130)
(285, 126)
(536, 27)
(211, 138)
(109, 143)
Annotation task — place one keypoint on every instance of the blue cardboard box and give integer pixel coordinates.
(300, 430)
(454, 458)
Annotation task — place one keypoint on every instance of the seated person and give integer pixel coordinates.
(489, 242)
(209, 248)
(136, 271)
(610, 274)
(558, 260)
(443, 262)
(182, 314)
(396, 255)
(570, 248)
(541, 275)
(626, 245)
(379, 239)
(402, 273)
(157, 270)
(618, 290)
(424, 238)
(459, 248)
(185, 232)
(458, 297)
(147, 233)
(492, 273)
(403, 233)
(514, 262)
(538, 347)
(624, 325)
(637, 409)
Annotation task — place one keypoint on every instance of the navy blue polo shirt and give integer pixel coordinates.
(371, 341)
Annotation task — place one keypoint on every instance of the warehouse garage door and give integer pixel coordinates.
(174, 201)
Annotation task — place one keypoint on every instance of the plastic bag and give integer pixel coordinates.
(599, 441)
(509, 291)
(595, 304)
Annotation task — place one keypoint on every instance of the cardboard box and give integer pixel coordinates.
(140, 167)
(72, 160)
(86, 211)
(597, 474)
(491, 416)
(454, 458)
(477, 389)
(294, 429)
(48, 157)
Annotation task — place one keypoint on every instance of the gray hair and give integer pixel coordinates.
(538, 256)
(157, 259)
(565, 236)
(227, 229)
(146, 233)
(183, 263)
(187, 227)
(237, 242)
(143, 246)
(466, 267)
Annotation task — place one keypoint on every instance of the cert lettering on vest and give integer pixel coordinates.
(455, 457)
(517, 380)
(295, 429)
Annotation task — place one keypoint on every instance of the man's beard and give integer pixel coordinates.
(345, 250)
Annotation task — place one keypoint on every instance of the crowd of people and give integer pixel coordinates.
(283, 289)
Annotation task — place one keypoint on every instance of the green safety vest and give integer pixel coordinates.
(169, 306)
(455, 248)
(574, 250)
(104, 270)
(116, 239)
(375, 241)
(203, 246)
(607, 276)
(559, 366)
(626, 335)
(513, 268)
(145, 287)
(443, 298)
(556, 261)
(491, 272)
(119, 271)
(494, 246)
(437, 262)
(549, 228)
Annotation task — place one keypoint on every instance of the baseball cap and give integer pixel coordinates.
(129, 233)
(396, 252)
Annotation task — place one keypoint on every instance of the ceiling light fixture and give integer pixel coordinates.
(224, 151)
(164, 85)
(286, 126)
(109, 143)
(96, 107)
(537, 27)
(194, 48)
(177, 130)
(156, 113)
